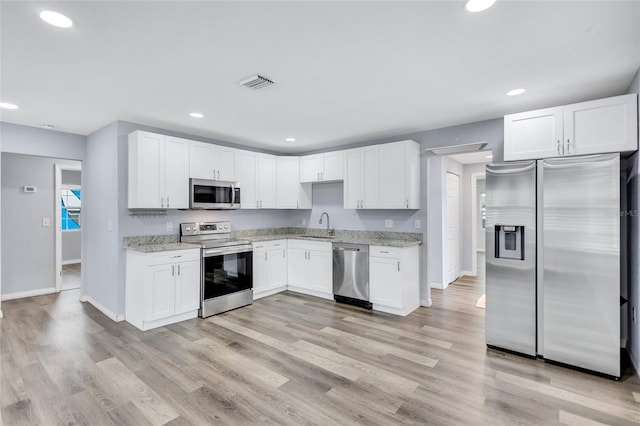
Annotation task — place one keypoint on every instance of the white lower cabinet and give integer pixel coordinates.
(162, 288)
(394, 279)
(269, 268)
(310, 268)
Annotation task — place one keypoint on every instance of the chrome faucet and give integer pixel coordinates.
(329, 231)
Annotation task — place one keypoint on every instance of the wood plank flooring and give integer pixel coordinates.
(71, 276)
(288, 360)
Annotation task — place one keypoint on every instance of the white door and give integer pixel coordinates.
(259, 269)
(321, 271)
(333, 166)
(277, 267)
(187, 286)
(288, 183)
(176, 173)
(146, 171)
(201, 158)
(162, 291)
(533, 134)
(297, 267)
(453, 227)
(310, 167)
(385, 284)
(246, 175)
(392, 174)
(266, 181)
(371, 177)
(352, 178)
(225, 164)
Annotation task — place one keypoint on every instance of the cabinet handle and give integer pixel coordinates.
(178, 269)
(277, 245)
(257, 204)
(568, 144)
(168, 198)
(321, 175)
(407, 203)
(173, 270)
(297, 204)
(384, 251)
(162, 202)
(265, 255)
(559, 147)
(283, 254)
(178, 255)
(398, 266)
(309, 255)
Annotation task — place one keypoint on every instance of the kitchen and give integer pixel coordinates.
(108, 219)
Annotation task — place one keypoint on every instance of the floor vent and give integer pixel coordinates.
(256, 82)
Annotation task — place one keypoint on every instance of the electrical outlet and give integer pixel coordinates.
(46, 221)
(388, 223)
(169, 226)
(304, 221)
(418, 224)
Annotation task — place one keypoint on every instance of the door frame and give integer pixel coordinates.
(475, 177)
(58, 224)
(458, 271)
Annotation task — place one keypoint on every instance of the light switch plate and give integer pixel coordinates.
(418, 224)
(46, 221)
(388, 223)
(169, 226)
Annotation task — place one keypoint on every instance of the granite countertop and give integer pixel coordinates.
(373, 238)
(155, 243)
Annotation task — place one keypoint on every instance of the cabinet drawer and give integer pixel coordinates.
(277, 244)
(174, 256)
(388, 252)
(309, 245)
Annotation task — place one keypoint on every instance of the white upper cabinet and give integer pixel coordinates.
(326, 167)
(158, 168)
(290, 193)
(600, 126)
(383, 176)
(212, 162)
(265, 181)
(246, 178)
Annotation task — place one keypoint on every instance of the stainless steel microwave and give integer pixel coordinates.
(213, 195)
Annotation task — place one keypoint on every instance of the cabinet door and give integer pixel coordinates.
(370, 177)
(176, 173)
(201, 160)
(146, 171)
(310, 168)
(162, 292)
(266, 181)
(277, 268)
(332, 166)
(187, 286)
(533, 134)
(288, 183)
(297, 268)
(246, 179)
(320, 265)
(225, 164)
(392, 177)
(384, 279)
(259, 269)
(604, 125)
(352, 178)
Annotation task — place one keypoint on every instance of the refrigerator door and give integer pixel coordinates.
(581, 277)
(510, 317)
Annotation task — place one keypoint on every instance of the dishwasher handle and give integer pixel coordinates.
(346, 248)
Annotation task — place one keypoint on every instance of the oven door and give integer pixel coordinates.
(227, 279)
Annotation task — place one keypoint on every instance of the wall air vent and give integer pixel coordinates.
(256, 82)
(457, 149)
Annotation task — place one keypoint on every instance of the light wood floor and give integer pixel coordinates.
(71, 276)
(288, 360)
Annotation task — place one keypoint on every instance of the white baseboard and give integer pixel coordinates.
(30, 293)
(71, 262)
(426, 302)
(99, 306)
(635, 362)
(480, 250)
(468, 274)
(439, 285)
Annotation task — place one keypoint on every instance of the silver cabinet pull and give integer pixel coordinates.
(168, 198)
(398, 266)
(559, 147)
(265, 255)
(178, 255)
(257, 205)
(173, 270)
(568, 144)
(384, 251)
(407, 203)
(321, 175)
(178, 269)
(283, 254)
(162, 202)
(298, 204)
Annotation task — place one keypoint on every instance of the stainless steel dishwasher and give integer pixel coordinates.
(351, 274)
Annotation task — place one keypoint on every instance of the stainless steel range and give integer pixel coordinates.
(226, 278)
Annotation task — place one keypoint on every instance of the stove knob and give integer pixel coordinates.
(226, 227)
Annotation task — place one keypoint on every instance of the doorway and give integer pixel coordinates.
(68, 190)
(453, 227)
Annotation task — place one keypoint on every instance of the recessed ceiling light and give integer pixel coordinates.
(515, 92)
(479, 5)
(290, 139)
(56, 19)
(196, 115)
(7, 105)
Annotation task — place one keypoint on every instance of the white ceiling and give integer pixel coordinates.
(344, 71)
(472, 157)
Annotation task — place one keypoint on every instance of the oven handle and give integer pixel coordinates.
(227, 250)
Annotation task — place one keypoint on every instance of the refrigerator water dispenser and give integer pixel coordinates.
(509, 242)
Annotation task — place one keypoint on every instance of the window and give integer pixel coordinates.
(71, 206)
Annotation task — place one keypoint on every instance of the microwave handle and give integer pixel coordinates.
(233, 194)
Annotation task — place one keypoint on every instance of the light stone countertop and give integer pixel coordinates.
(156, 243)
(385, 242)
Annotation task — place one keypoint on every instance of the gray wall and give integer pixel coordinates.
(41, 142)
(28, 257)
(633, 191)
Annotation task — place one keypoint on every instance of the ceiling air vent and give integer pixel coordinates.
(256, 82)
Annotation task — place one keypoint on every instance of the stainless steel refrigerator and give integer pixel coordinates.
(553, 260)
